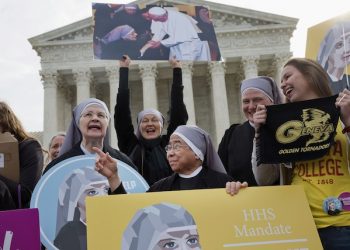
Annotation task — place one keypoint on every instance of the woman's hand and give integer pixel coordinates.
(174, 63)
(259, 117)
(107, 166)
(124, 62)
(343, 102)
(233, 187)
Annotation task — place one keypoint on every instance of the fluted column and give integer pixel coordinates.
(280, 60)
(49, 79)
(250, 66)
(148, 72)
(113, 77)
(219, 97)
(82, 78)
(187, 72)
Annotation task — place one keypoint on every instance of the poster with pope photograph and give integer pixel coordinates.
(329, 44)
(263, 218)
(154, 32)
(60, 197)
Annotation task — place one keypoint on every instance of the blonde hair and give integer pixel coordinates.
(10, 123)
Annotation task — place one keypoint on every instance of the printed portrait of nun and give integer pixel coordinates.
(334, 55)
(161, 226)
(71, 216)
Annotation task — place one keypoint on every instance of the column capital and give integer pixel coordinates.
(49, 78)
(250, 65)
(281, 58)
(148, 70)
(217, 67)
(112, 71)
(187, 68)
(82, 75)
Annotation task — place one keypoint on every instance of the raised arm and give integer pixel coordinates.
(177, 110)
(265, 174)
(122, 114)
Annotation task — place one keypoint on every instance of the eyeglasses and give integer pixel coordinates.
(89, 115)
(175, 147)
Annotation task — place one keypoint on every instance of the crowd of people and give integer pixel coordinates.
(184, 157)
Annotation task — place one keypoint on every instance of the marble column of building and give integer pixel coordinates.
(280, 60)
(82, 77)
(113, 77)
(250, 66)
(187, 72)
(50, 83)
(219, 99)
(250, 69)
(148, 72)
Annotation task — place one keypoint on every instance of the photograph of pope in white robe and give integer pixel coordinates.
(179, 32)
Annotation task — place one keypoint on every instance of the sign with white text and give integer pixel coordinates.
(256, 218)
(19, 229)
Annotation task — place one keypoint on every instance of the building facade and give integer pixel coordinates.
(252, 43)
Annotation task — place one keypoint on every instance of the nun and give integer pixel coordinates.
(191, 156)
(236, 146)
(88, 129)
(145, 144)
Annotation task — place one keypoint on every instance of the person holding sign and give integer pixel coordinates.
(193, 159)
(236, 146)
(146, 145)
(88, 129)
(17, 194)
(326, 180)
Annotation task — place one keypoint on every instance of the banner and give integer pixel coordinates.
(154, 32)
(263, 218)
(329, 44)
(60, 196)
(298, 131)
(19, 229)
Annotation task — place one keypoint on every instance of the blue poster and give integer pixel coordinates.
(60, 196)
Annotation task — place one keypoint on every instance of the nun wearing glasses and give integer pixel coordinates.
(191, 156)
(88, 129)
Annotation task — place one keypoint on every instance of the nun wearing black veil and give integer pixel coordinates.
(192, 157)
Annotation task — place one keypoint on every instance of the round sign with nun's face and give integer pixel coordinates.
(60, 196)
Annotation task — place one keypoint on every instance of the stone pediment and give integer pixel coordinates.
(226, 19)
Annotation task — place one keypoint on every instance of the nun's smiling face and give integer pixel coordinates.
(181, 158)
(150, 127)
(251, 98)
(93, 123)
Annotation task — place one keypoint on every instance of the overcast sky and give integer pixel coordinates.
(20, 84)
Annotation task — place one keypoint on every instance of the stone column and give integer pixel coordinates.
(187, 71)
(148, 72)
(250, 66)
(250, 69)
(219, 97)
(280, 60)
(82, 77)
(49, 79)
(113, 77)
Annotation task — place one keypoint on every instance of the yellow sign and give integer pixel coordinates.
(257, 218)
(328, 43)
